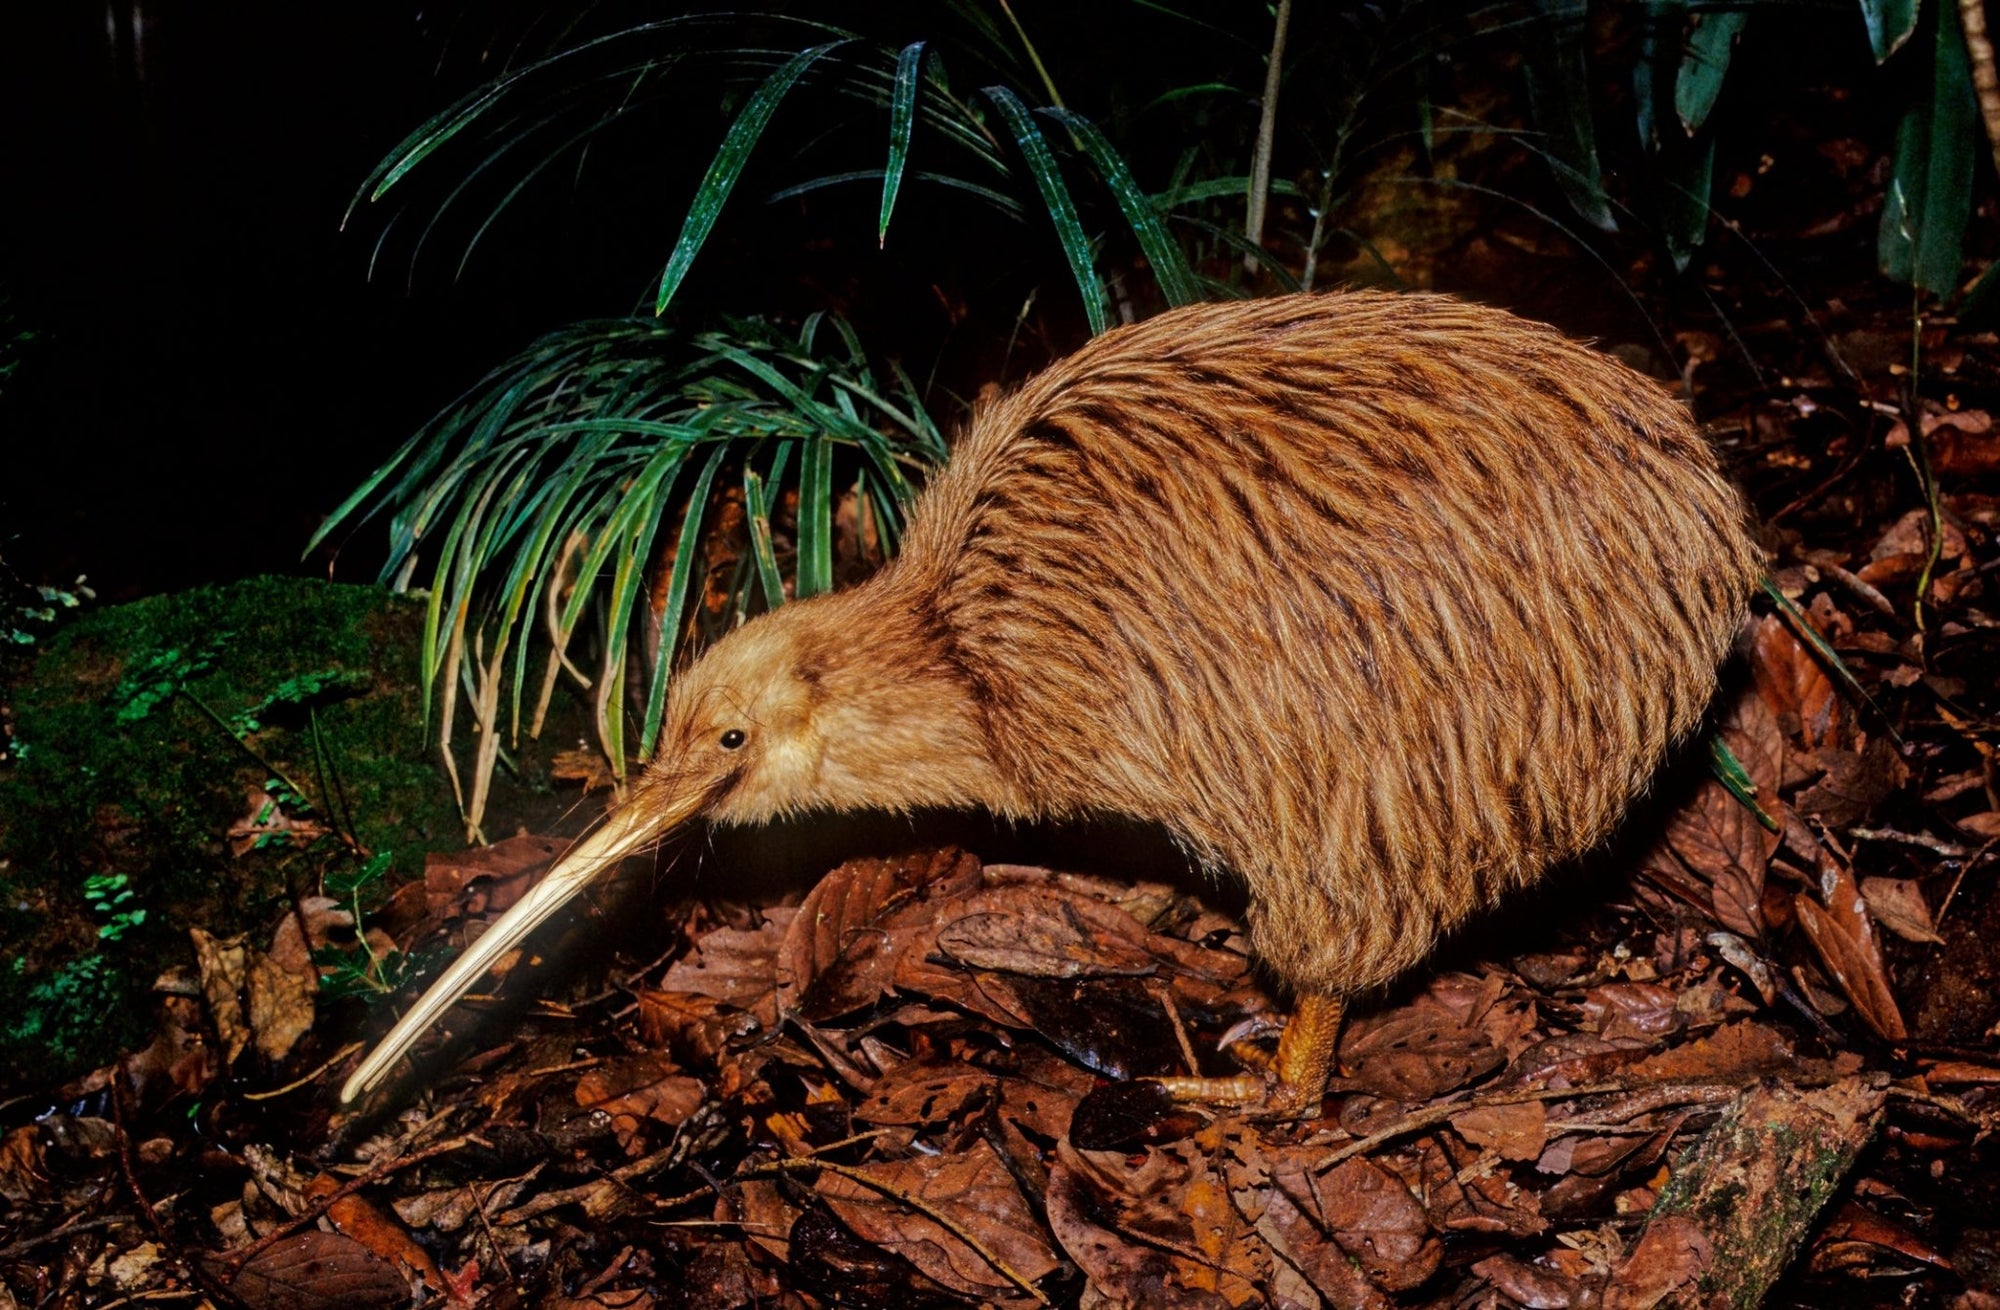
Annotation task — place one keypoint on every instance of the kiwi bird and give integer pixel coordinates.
(1381, 603)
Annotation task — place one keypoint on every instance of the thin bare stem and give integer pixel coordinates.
(1267, 132)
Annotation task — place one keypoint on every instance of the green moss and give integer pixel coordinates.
(125, 761)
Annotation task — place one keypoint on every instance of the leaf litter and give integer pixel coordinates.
(913, 1082)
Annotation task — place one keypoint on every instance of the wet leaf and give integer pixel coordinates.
(973, 1192)
(317, 1270)
(1844, 936)
(736, 966)
(1369, 1212)
(1793, 683)
(1898, 905)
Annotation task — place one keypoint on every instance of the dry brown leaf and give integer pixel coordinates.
(1737, 1052)
(1327, 1270)
(265, 823)
(224, 965)
(1963, 442)
(1528, 1285)
(318, 1270)
(973, 1190)
(583, 765)
(1368, 1211)
(1844, 936)
(736, 967)
(842, 950)
(1792, 683)
(1646, 1011)
(1855, 783)
(1898, 905)
(376, 1229)
(1121, 1270)
(279, 1004)
(1671, 1255)
(1415, 1052)
(1514, 1132)
(631, 1091)
(1985, 826)
(1041, 937)
(486, 879)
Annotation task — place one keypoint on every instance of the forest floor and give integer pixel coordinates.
(1751, 1041)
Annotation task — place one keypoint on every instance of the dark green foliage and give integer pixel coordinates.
(589, 460)
(1930, 192)
(140, 734)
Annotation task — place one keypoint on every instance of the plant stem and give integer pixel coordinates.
(246, 747)
(1035, 58)
(1267, 131)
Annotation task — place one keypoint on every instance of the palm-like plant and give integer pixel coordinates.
(596, 478)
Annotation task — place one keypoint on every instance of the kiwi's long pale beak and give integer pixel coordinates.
(628, 830)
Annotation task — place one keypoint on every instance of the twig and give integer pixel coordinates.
(1267, 132)
(1433, 1115)
(1937, 920)
(27, 1244)
(303, 1079)
(235, 1261)
(1165, 996)
(917, 1203)
(1950, 850)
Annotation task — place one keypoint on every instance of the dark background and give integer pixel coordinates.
(216, 365)
(214, 369)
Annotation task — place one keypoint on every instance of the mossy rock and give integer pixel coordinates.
(126, 772)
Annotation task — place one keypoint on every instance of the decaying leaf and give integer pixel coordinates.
(316, 1270)
(959, 1219)
(1843, 934)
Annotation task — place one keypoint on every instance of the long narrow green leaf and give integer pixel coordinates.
(1922, 237)
(1169, 262)
(685, 550)
(1055, 196)
(1559, 101)
(757, 511)
(1736, 780)
(902, 122)
(1704, 64)
(815, 519)
(727, 166)
(1233, 188)
(1000, 200)
(1889, 23)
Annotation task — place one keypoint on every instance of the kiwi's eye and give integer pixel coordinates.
(732, 739)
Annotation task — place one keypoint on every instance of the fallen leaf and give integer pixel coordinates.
(1671, 1255)
(224, 965)
(1854, 783)
(318, 1270)
(1368, 1211)
(635, 1090)
(1844, 936)
(1791, 682)
(842, 950)
(486, 879)
(1898, 905)
(265, 823)
(1514, 1132)
(973, 1191)
(1526, 1285)
(378, 1230)
(738, 967)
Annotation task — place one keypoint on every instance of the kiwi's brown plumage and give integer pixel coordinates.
(1384, 603)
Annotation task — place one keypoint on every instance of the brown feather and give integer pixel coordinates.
(1383, 603)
